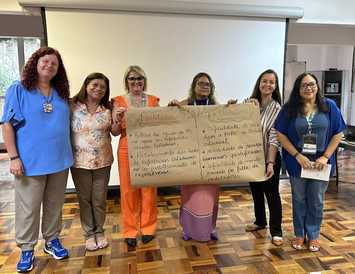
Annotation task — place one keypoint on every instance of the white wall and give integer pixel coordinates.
(323, 57)
(10, 6)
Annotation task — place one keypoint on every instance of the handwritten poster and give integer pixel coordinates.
(195, 144)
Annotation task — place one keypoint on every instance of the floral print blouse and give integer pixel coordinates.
(90, 135)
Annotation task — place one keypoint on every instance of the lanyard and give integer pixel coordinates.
(196, 104)
(47, 104)
(138, 103)
(309, 119)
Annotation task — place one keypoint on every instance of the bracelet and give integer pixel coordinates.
(325, 156)
(271, 162)
(14, 157)
(296, 154)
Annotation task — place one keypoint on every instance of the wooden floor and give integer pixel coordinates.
(236, 252)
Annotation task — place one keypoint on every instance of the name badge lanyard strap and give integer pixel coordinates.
(206, 102)
(309, 119)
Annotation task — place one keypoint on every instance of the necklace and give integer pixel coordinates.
(47, 104)
(137, 101)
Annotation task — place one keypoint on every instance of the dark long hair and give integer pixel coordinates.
(275, 94)
(29, 75)
(192, 95)
(82, 94)
(294, 105)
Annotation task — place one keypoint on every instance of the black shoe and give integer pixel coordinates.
(132, 242)
(147, 238)
(214, 236)
(253, 227)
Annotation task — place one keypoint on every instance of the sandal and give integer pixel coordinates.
(297, 243)
(90, 244)
(101, 242)
(314, 245)
(277, 240)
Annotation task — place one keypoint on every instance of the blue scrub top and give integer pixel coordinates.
(42, 139)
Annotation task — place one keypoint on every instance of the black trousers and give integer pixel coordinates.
(270, 189)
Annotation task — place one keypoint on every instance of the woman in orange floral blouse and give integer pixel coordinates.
(91, 125)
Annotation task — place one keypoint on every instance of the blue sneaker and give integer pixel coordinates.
(25, 263)
(55, 248)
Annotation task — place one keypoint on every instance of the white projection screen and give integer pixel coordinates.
(170, 48)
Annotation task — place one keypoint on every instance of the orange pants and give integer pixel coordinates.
(138, 205)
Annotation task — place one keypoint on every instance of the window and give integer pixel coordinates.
(14, 52)
(9, 65)
(30, 46)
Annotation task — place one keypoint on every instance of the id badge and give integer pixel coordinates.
(309, 144)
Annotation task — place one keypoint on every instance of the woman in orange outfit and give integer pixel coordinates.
(138, 205)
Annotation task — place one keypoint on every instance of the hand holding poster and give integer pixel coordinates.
(195, 144)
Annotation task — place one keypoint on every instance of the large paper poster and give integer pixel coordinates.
(195, 144)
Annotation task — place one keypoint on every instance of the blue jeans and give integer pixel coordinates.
(307, 206)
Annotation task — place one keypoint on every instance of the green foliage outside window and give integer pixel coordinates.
(9, 67)
(9, 62)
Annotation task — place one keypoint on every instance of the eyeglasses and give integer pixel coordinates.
(312, 85)
(132, 79)
(204, 84)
